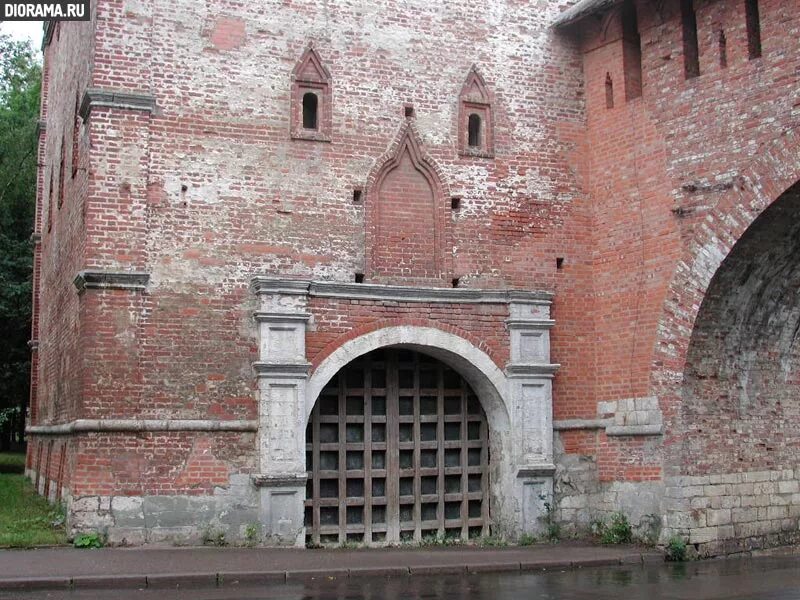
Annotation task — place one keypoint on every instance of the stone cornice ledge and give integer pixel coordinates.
(608, 425)
(545, 470)
(282, 370)
(137, 425)
(530, 323)
(623, 430)
(377, 292)
(95, 97)
(279, 480)
(114, 280)
(531, 370)
(277, 317)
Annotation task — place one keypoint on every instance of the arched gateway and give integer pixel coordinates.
(406, 430)
(396, 450)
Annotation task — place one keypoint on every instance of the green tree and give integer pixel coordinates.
(20, 85)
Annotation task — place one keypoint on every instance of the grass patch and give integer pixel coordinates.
(12, 462)
(27, 519)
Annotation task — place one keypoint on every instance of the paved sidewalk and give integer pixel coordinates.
(184, 567)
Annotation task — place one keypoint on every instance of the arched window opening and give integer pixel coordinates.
(310, 105)
(609, 91)
(474, 131)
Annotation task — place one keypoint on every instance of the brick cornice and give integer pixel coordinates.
(95, 97)
(115, 280)
(49, 27)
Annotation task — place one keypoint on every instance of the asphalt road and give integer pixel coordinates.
(762, 579)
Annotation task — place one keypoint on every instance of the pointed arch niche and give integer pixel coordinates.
(311, 98)
(407, 225)
(475, 122)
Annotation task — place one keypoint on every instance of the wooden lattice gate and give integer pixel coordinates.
(396, 450)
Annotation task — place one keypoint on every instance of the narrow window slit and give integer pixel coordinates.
(455, 203)
(609, 91)
(559, 262)
(409, 110)
(359, 278)
(723, 50)
(310, 106)
(455, 282)
(691, 51)
(753, 21)
(474, 131)
(631, 51)
(356, 196)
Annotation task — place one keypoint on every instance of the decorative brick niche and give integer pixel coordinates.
(311, 99)
(408, 229)
(475, 122)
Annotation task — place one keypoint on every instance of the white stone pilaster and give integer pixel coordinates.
(530, 376)
(282, 372)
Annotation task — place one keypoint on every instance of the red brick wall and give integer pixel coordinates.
(338, 321)
(657, 166)
(56, 366)
(210, 189)
(159, 463)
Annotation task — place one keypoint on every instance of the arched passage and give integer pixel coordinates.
(737, 425)
(741, 392)
(482, 380)
(396, 450)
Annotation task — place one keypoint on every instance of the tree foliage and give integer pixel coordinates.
(20, 83)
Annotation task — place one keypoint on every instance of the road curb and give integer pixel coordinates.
(100, 582)
(233, 578)
(35, 583)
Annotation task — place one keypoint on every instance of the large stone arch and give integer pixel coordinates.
(727, 335)
(774, 171)
(487, 380)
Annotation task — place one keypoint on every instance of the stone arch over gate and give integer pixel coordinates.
(485, 377)
(487, 380)
(516, 399)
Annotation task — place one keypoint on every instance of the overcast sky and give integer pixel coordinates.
(21, 30)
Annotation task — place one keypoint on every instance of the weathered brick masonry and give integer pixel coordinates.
(234, 203)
